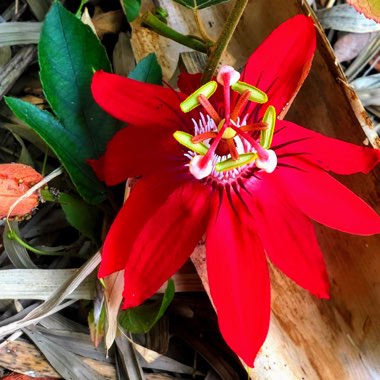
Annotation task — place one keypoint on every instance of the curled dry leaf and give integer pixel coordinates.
(15, 181)
(370, 8)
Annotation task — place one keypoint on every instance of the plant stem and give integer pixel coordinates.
(148, 19)
(221, 44)
(200, 26)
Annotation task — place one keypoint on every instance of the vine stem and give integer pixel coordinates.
(200, 26)
(221, 44)
(151, 21)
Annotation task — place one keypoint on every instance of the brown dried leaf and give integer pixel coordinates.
(109, 22)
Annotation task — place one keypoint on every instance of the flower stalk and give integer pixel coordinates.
(221, 44)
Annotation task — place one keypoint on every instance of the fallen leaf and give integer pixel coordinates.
(349, 46)
(15, 181)
(370, 8)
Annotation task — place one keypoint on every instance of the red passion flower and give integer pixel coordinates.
(220, 162)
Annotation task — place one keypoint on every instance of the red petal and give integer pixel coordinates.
(136, 151)
(165, 242)
(239, 280)
(188, 83)
(288, 237)
(281, 63)
(327, 201)
(146, 198)
(139, 103)
(331, 154)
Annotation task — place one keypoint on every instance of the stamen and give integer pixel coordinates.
(233, 151)
(257, 95)
(210, 153)
(254, 127)
(229, 164)
(185, 139)
(192, 100)
(209, 108)
(240, 105)
(262, 153)
(266, 136)
(203, 136)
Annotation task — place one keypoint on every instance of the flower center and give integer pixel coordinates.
(223, 147)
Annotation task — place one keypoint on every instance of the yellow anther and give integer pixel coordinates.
(266, 136)
(257, 95)
(192, 100)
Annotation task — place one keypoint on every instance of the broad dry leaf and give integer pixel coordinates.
(15, 181)
(108, 22)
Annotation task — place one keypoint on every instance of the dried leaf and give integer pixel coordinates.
(113, 289)
(345, 18)
(348, 46)
(370, 8)
(39, 284)
(67, 364)
(19, 33)
(108, 22)
(15, 181)
(122, 57)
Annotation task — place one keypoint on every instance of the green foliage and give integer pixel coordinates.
(64, 144)
(199, 4)
(142, 318)
(148, 70)
(84, 217)
(131, 8)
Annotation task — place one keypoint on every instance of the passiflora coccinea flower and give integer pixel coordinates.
(220, 162)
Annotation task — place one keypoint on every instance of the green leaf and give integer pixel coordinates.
(142, 318)
(199, 4)
(131, 8)
(69, 53)
(147, 70)
(84, 217)
(65, 145)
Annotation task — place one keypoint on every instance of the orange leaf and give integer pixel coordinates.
(370, 8)
(15, 181)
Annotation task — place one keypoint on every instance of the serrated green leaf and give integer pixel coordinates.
(84, 217)
(199, 4)
(142, 318)
(131, 8)
(65, 145)
(147, 70)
